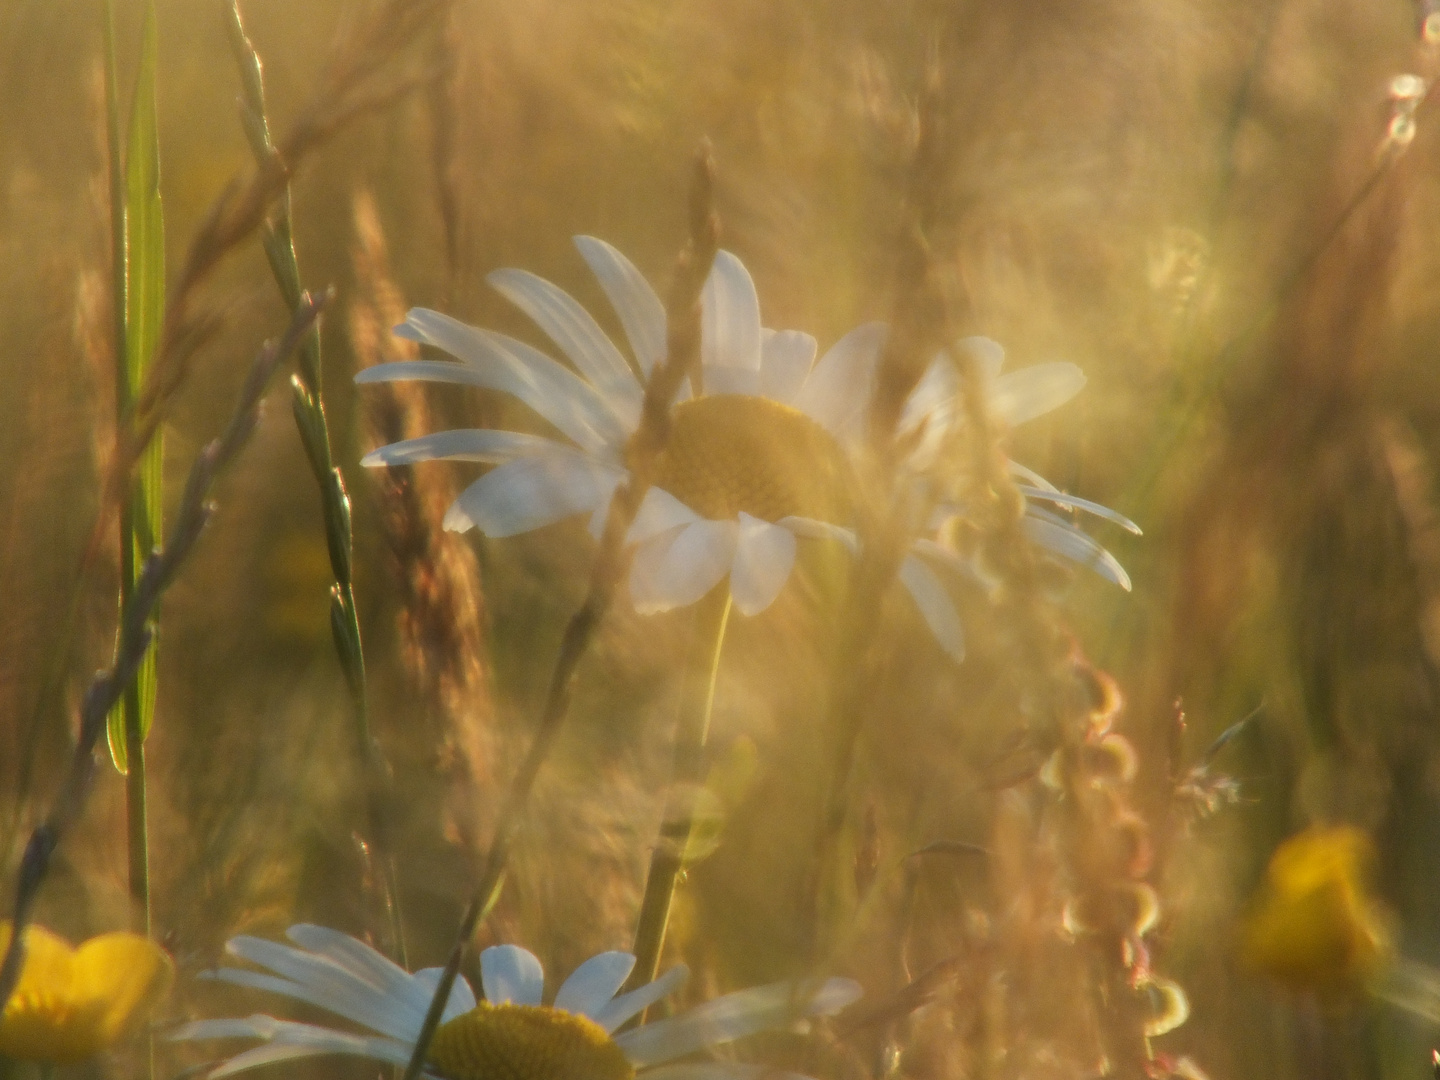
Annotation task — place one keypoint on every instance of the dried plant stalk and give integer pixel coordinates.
(441, 618)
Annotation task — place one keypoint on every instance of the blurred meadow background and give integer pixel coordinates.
(1221, 211)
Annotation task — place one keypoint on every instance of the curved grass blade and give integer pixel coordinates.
(144, 313)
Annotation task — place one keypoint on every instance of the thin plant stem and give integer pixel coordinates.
(137, 841)
(136, 630)
(920, 325)
(692, 733)
(309, 412)
(682, 358)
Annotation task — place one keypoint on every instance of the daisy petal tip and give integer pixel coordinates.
(838, 994)
(456, 520)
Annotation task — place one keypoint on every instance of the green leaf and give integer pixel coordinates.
(144, 316)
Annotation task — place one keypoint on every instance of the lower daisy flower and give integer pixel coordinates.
(510, 1035)
(71, 1003)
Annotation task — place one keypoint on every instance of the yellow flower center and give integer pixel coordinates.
(525, 1042)
(733, 452)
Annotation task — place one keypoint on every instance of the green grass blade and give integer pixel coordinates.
(144, 313)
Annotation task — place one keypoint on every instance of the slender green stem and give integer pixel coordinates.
(117, 201)
(136, 834)
(137, 840)
(692, 733)
(309, 412)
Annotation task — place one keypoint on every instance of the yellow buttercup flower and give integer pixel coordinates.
(72, 1003)
(1314, 926)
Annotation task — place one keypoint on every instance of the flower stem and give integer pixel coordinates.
(132, 702)
(692, 732)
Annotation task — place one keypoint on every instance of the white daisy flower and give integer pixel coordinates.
(761, 456)
(509, 1035)
(932, 415)
(753, 462)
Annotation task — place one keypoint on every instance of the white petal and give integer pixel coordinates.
(372, 966)
(640, 310)
(785, 360)
(427, 980)
(510, 973)
(1059, 536)
(932, 399)
(814, 529)
(678, 567)
(386, 1015)
(350, 953)
(195, 1030)
(315, 980)
(462, 444)
(288, 1040)
(572, 328)
(986, 352)
(659, 512)
(1099, 510)
(949, 556)
(932, 404)
(1033, 391)
(837, 393)
(591, 986)
(730, 316)
(764, 555)
(637, 1001)
(935, 606)
(529, 492)
(731, 380)
(601, 513)
(497, 362)
(1030, 476)
(732, 1017)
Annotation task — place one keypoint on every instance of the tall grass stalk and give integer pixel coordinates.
(919, 327)
(138, 290)
(692, 733)
(682, 357)
(309, 411)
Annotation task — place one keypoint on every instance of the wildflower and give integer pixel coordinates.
(72, 1003)
(754, 460)
(508, 1036)
(931, 420)
(759, 452)
(1315, 926)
